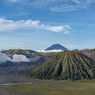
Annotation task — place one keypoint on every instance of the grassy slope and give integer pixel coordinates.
(66, 65)
(19, 51)
(51, 87)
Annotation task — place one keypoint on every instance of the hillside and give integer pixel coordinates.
(90, 53)
(28, 53)
(66, 65)
(19, 59)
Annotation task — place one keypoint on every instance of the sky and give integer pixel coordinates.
(37, 24)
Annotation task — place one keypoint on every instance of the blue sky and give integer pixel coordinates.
(36, 24)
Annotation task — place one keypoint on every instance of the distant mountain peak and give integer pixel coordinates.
(57, 47)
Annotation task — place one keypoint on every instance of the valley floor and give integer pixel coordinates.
(49, 87)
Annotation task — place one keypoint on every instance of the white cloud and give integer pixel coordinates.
(19, 58)
(57, 5)
(15, 58)
(55, 28)
(55, 50)
(4, 58)
(62, 5)
(12, 25)
(73, 6)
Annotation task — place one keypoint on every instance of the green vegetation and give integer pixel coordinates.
(19, 51)
(51, 87)
(66, 65)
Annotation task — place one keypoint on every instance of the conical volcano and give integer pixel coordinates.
(57, 47)
(66, 65)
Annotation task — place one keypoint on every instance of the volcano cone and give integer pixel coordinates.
(66, 65)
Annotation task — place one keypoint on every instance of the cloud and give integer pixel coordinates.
(58, 5)
(15, 58)
(72, 5)
(4, 58)
(55, 28)
(19, 58)
(55, 50)
(12, 25)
